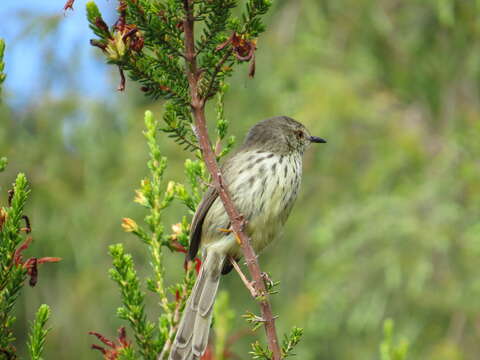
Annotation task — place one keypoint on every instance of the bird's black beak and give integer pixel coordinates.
(316, 139)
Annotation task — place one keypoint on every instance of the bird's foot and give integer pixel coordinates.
(267, 280)
(237, 238)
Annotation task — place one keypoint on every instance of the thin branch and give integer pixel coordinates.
(218, 67)
(173, 329)
(237, 220)
(121, 86)
(246, 282)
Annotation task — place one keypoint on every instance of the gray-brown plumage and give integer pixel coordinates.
(263, 177)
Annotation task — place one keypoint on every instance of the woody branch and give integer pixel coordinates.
(198, 109)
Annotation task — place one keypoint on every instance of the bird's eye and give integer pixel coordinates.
(299, 134)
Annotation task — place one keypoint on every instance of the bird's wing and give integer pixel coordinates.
(197, 222)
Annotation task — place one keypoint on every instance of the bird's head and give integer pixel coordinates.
(281, 135)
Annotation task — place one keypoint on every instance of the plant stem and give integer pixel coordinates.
(237, 220)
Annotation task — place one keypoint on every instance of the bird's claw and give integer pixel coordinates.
(237, 238)
(267, 280)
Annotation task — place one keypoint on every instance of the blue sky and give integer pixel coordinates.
(34, 62)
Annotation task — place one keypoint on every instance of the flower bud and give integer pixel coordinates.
(140, 198)
(129, 225)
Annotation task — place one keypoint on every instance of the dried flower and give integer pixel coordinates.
(27, 228)
(97, 43)
(243, 48)
(137, 42)
(68, 5)
(32, 263)
(101, 24)
(112, 351)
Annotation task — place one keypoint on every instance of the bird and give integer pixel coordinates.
(263, 177)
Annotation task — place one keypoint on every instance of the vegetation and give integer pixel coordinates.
(386, 225)
(156, 44)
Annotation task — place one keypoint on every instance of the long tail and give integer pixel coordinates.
(192, 335)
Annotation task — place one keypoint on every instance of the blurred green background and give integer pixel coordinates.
(388, 220)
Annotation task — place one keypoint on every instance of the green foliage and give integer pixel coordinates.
(260, 352)
(178, 126)
(14, 270)
(388, 351)
(147, 43)
(133, 309)
(12, 274)
(153, 198)
(254, 320)
(290, 341)
(3, 163)
(222, 125)
(386, 224)
(223, 315)
(38, 333)
(153, 340)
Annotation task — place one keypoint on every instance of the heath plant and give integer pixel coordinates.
(15, 270)
(182, 52)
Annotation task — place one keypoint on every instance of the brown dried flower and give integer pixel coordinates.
(112, 350)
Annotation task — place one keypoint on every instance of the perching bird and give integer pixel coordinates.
(263, 178)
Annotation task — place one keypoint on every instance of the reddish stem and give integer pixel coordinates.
(237, 220)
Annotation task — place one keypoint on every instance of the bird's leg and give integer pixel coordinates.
(243, 223)
(237, 239)
(206, 184)
(248, 284)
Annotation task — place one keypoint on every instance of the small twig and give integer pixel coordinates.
(173, 329)
(207, 185)
(218, 67)
(28, 227)
(247, 283)
(121, 86)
